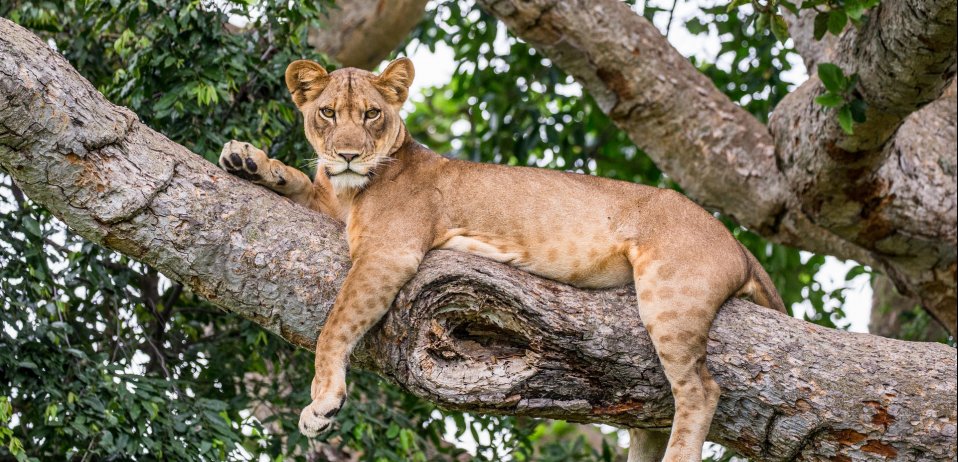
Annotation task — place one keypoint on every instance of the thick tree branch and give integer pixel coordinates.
(904, 53)
(911, 193)
(466, 332)
(362, 33)
(893, 198)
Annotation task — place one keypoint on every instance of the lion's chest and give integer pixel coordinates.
(592, 260)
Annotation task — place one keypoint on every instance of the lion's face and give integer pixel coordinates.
(351, 116)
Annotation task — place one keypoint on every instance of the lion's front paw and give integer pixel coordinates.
(318, 416)
(245, 161)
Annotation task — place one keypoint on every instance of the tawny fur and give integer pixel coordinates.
(399, 200)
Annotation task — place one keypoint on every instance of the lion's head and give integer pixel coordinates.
(351, 116)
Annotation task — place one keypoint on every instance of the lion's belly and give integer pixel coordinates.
(589, 262)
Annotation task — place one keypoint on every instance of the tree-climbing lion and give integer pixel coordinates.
(399, 200)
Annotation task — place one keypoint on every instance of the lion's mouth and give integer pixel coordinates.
(345, 172)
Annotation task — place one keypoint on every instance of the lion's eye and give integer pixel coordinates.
(328, 113)
(372, 114)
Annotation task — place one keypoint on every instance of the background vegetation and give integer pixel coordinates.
(103, 358)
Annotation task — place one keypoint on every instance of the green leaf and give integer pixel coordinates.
(405, 439)
(695, 26)
(392, 431)
(761, 22)
(854, 9)
(821, 25)
(829, 99)
(845, 119)
(32, 226)
(832, 77)
(779, 28)
(791, 7)
(836, 21)
(855, 272)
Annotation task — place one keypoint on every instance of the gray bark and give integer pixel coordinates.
(362, 33)
(797, 182)
(466, 333)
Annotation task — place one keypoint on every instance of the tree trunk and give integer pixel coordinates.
(801, 181)
(466, 332)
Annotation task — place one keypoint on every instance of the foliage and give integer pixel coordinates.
(101, 357)
(839, 94)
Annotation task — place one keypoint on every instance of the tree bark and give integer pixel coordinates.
(466, 332)
(362, 33)
(799, 183)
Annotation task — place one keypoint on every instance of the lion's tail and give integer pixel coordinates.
(759, 286)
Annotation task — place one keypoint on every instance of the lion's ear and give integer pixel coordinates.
(394, 82)
(305, 81)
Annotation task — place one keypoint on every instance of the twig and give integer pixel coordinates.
(668, 25)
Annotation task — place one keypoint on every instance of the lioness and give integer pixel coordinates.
(399, 200)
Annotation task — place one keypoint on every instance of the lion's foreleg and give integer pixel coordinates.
(252, 164)
(366, 295)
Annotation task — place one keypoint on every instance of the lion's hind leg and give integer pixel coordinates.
(677, 309)
(647, 445)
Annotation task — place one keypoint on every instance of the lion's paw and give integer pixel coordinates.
(318, 416)
(243, 160)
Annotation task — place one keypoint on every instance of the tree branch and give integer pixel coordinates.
(904, 54)
(466, 332)
(887, 195)
(362, 33)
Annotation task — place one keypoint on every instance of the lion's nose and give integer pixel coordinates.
(348, 156)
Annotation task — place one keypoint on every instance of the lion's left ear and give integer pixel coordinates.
(395, 80)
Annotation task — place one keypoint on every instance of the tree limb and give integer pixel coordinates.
(362, 33)
(888, 195)
(465, 332)
(908, 209)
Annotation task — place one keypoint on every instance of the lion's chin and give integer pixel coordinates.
(348, 180)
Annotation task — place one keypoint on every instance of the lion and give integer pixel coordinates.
(399, 200)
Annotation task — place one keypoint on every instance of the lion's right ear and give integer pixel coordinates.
(305, 81)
